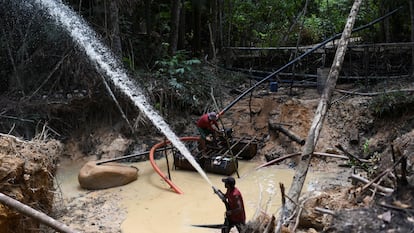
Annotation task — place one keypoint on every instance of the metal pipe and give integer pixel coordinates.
(35, 214)
(131, 156)
(166, 159)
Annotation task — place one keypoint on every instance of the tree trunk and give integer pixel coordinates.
(115, 36)
(313, 134)
(220, 24)
(148, 21)
(196, 27)
(175, 23)
(213, 29)
(387, 27)
(229, 20)
(412, 33)
(290, 134)
(182, 28)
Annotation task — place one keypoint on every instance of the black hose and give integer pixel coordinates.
(131, 156)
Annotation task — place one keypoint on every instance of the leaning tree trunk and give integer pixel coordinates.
(313, 134)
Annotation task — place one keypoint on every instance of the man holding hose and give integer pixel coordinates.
(235, 214)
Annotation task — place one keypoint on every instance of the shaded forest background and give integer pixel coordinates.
(174, 49)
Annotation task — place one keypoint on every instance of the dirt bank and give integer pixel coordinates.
(27, 170)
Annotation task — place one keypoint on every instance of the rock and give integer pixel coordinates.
(92, 176)
(386, 217)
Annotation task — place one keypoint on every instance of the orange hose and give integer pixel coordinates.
(158, 170)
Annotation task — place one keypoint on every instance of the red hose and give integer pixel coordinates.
(158, 170)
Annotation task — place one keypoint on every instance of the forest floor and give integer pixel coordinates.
(356, 209)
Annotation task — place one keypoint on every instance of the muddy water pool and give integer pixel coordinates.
(153, 207)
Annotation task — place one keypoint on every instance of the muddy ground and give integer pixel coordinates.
(356, 209)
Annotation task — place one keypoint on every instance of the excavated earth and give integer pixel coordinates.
(27, 168)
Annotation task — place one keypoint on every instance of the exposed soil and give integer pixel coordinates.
(26, 174)
(356, 209)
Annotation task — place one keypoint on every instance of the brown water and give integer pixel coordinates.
(152, 207)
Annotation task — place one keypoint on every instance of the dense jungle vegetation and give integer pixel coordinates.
(165, 46)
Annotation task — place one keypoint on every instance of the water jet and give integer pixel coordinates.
(106, 63)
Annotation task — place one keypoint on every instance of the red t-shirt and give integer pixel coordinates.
(205, 123)
(233, 196)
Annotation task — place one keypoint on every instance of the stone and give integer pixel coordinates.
(108, 175)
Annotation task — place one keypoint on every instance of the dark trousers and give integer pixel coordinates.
(228, 225)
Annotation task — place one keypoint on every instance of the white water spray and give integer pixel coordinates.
(97, 52)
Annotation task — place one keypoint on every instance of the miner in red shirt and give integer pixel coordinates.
(205, 127)
(235, 213)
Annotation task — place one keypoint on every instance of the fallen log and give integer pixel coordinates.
(374, 93)
(39, 216)
(337, 156)
(377, 186)
(330, 155)
(325, 211)
(394, 207)
(382, 174)
(280, 159)
(290, 134)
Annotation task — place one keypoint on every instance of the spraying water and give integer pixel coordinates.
(104, 61)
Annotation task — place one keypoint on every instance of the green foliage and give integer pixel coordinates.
(370, 166)
(176, 66)
(265, 23)
(181, 77)
(365, 147)
(262, 22)
(128, 62)
(329, 18)
(312, 24)
(391, 104)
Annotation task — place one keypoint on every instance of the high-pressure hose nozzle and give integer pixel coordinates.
(219, 194)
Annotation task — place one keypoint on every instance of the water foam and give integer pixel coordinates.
(104, 61)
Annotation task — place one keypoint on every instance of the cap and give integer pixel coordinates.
(229, 180)
(212, 116)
